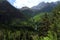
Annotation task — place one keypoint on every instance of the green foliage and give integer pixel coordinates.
(44, 26)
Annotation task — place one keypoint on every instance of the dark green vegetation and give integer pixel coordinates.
(14, 25)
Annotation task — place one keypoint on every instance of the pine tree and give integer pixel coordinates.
(44, 26)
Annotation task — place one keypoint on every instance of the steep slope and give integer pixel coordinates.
(9, 13)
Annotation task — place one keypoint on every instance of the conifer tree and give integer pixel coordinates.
(44, 26)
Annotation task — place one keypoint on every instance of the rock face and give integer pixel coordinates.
(44, 7)
(8, 12)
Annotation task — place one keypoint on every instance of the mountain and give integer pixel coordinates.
(27, 11)
(48, 8)
(41, 7)
(45, 7)
(9, 13)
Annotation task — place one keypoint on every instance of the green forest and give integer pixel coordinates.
(17, 26)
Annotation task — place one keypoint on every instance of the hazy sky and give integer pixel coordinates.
(28, 3)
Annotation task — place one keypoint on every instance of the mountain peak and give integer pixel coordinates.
(24, 8)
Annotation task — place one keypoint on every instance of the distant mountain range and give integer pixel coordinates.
(41, 7)
(45, 7)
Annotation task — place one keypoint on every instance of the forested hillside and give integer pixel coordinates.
(15, 25)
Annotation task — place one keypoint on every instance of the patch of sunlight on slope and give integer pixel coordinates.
(46, 38)
(38, 17)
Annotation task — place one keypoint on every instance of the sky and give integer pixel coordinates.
(27, 3)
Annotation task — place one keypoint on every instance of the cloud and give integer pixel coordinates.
(29, 3)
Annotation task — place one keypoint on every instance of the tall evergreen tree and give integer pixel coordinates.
(44, 26)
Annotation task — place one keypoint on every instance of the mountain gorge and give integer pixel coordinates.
(41, 22)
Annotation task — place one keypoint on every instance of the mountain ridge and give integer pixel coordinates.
(41, 7)
(9, 13)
